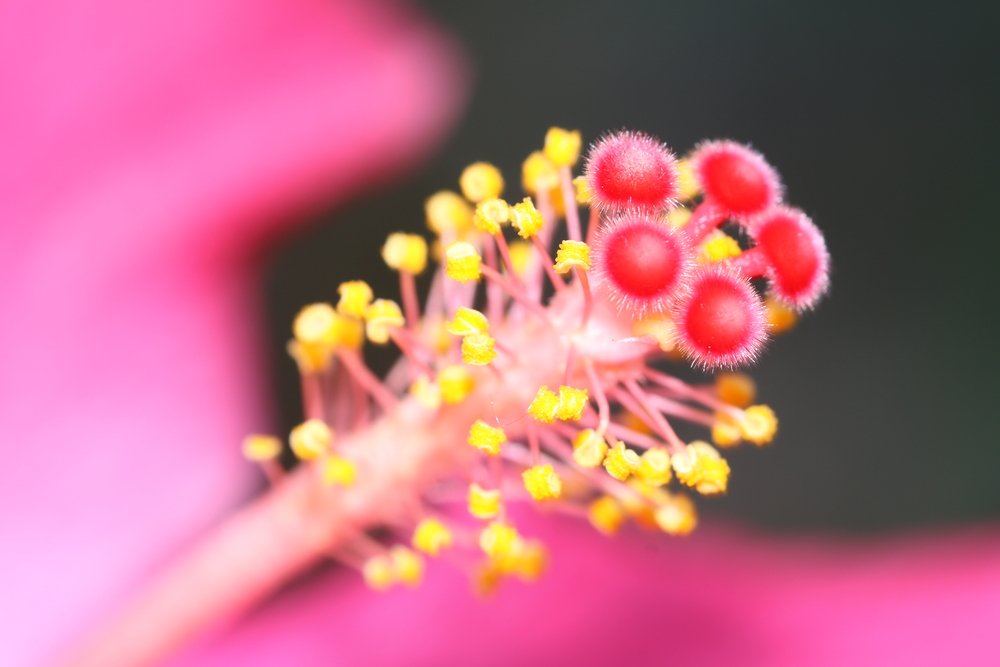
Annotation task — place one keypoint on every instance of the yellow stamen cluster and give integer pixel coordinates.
(338, 471)
(562, 147)
(261, 447)
(405, 252)
(718, 246)
(676, 515)
(455, 383)
(526, 559)
(491, 215)
(737, 389)
(589, 448)
(725, 431)
(355, 295)
(481, 181)
(526, 218)
(319, 330)
(780, 318)
(431, 537)
(379, 317)
(621, 462)
(468, 321)
(572, 254)
(759, 424)
(542, 482)
(399, 565)
(428, 393)
(483, 503)
(568, 405)
(378, 574)
(486, 438)
(654, 467)
(311, 440)
(700, 467)
(448, 214)
(582, 190)
(606, 514)
(477, 349)
(462, 262)
(538, 174)
(498, 539)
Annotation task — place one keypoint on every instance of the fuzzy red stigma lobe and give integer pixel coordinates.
(722, 321)
(736, 178)
(796, 253)
(631, 170)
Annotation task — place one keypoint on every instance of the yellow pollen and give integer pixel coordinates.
(314, 324)
(311, 439)
(538, 174)
(606, 515)
(378, 573)
(338, 471)
(718, 246)
(544, 406)
(621, 462)
(686, 180)
(405, 252)
(483, 503)
(677, 515)
(481, 181)
(431, 536)
(700, 467)
(407, 565)
(529, 560)
(780, 318)
(526, 218)
(427, 393)
(261, 447)
(725, 431)
(654, 467)
(456, 383)
(382, 314)
(521, 253)
(572, 254)
(737, 389)
(498, 539)
(659, 327)
(491, 215)
(486, 438)
(678, 217)
(477, 349)
(562, 146)
(461, 262)
(759, 424)
(468, 321)
(355, 295)
(582, 190)
(571, 403)
(589, 448)
(448, 213)
(318, 331)
(542, 482)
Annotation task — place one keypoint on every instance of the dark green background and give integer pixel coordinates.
(883, 124)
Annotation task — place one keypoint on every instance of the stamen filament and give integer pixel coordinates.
(368, 380)
(569, 203)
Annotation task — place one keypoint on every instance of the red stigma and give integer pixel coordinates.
(722, 321)
(631, 170)
(796, 253)
(644, 263)
(736, 178)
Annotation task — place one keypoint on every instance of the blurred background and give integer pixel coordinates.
(883, 124)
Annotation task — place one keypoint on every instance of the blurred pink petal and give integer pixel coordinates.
(149, 150)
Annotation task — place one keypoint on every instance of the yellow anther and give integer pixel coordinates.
(431, 536)
(456, 383)
(582, 190)
(378, 572)
(780, 318)
(318, 331)
(314, 325)
(737, 389)
(572, 254)
(621, 462)
(759, 424)
(311, 439)
(677, 515)
(589, 448)
(678, 217)
(407, 565)
(544, 406)
(606, 515)
(382, 314)
(562, 146)
(497, 540)
(477, 349)
(571, 403)
(486, 438)
(542, 482)
(448, 214)
(686, 180)
(437, 334)
(529, 560)
(491, 215)
(468, 321)
(538, 174)
(718, 246)
(637, 507)
(338, 471)
(261, 447)
(427, 393)
(659, 327)
(481, 181)
(725, 431)
(405, 252)
(526, 218)
(483, 503)
(355, 295)
(521, 253)
(461, 262)
(654, 468)
(700, 467)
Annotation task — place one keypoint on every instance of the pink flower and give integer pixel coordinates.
(150, 152)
